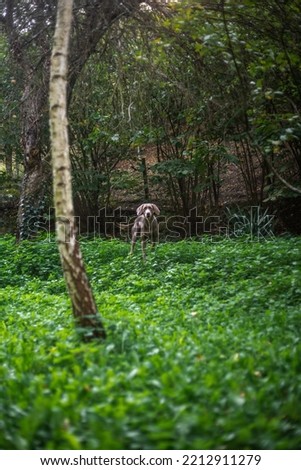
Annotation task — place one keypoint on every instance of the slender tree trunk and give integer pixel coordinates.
(142, 161)
(83, 303)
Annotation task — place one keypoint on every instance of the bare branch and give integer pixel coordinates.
(286, 183)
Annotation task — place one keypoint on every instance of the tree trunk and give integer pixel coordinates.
(36, 172)
(143, 164)
(32, 109)
(83, 303)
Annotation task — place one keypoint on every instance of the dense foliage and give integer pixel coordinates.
(206, 84)
(199, 84)
(203, 348)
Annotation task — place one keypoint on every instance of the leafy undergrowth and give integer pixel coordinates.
(203, 348)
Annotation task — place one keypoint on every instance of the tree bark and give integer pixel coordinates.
(83, 303)
(37, 173)
(32, 109)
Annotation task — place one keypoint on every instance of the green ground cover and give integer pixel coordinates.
(203, 348)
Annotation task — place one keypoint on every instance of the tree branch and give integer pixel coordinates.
(286, 183)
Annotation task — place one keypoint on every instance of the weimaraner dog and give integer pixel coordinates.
(145, 225)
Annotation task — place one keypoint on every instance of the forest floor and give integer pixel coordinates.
(202, 352)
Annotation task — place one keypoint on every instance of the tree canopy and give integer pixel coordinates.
(199, 85)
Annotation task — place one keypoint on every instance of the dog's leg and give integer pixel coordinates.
(155, 233)
(134, 239)
(143, 245)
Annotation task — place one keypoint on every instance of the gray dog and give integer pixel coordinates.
(145, 225)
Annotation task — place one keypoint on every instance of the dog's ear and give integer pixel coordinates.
(156, 209)
(140, 209)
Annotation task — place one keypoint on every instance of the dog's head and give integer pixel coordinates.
(148, 210)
